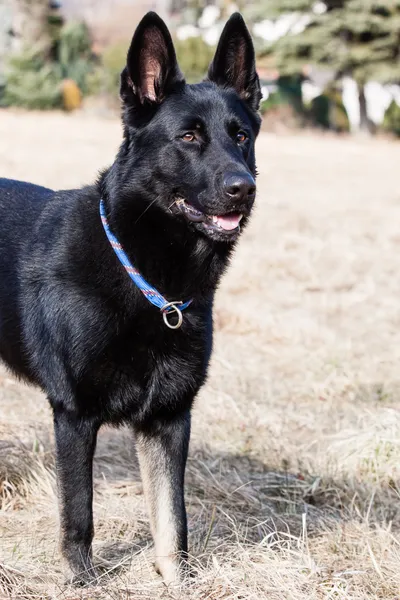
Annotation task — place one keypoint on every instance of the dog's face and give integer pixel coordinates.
(193, 145)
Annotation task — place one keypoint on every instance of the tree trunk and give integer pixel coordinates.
(29, 26)
(365, 124)
(6, 39)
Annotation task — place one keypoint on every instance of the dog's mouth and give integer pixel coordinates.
(228, 223)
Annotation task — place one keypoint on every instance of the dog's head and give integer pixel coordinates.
(190, 148)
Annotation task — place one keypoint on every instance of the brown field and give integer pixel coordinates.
(293, 478)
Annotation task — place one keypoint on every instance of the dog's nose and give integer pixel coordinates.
(238, 186)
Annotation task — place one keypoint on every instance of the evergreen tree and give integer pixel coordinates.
(358, 38)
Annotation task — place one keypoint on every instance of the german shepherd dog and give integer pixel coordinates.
(72, 321)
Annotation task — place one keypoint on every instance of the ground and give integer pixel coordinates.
(293, 475)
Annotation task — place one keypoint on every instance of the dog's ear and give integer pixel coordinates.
(234, 62)
(151, 68)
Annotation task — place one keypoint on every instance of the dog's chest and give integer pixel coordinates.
(148, 377)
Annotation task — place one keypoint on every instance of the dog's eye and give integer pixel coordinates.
(188, 137)
(241, 137)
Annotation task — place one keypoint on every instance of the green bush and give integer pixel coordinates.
(105, 78)
(290, 91)
(319, 111)
(288, 94)
(194, 57)
(74, 43)
(285, 106)
(74, 55)
(114, 60)
(328, 112)
(391, 121)
(274, 100)
(33, 78)
(31, 83)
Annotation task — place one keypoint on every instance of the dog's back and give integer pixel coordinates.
(20, 207)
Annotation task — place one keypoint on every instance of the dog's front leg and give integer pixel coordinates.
(75, 446)
(162, 452)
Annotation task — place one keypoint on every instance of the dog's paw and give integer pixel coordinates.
(81, 576)
(173, 572)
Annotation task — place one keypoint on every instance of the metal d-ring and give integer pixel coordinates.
(166, 312)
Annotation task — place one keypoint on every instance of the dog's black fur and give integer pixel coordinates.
(72, 321)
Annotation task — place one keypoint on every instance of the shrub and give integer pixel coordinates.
(114, 60)
(328, 112)
(74, 55)
(31, 83)
(290, 90)
(105, 78)
(194, 57)
(391, 121)
(285, 105)
(274, 100)
(33, 79)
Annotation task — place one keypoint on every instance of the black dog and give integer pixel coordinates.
(71, 319)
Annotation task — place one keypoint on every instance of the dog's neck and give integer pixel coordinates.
(177, 260)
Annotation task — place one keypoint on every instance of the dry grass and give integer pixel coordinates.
(293, 477)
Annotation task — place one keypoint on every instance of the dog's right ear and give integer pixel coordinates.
(151, 69)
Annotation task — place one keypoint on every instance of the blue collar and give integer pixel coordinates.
(150, 293)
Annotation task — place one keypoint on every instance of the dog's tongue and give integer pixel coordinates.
(228, 222)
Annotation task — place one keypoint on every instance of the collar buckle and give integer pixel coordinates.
(169, 308)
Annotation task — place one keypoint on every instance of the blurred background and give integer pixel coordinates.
(332, 65)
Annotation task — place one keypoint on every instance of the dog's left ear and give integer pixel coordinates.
(151, 67)
(234, 62)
